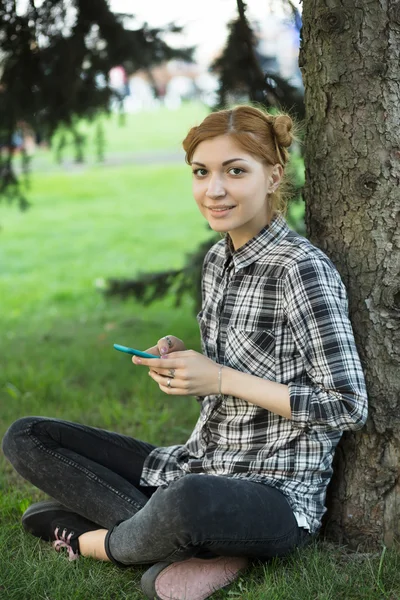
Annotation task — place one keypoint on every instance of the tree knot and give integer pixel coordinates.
(391, 296)
(332, 21)
(366, 184)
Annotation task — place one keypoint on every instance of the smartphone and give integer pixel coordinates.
(135, 352)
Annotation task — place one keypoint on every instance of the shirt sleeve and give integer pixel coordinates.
(317, 312)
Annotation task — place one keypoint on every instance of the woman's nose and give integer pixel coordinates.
(215, 188)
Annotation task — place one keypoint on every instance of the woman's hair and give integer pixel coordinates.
(264, 135)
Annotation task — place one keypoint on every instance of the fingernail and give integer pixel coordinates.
(138, 360)
(164, 350)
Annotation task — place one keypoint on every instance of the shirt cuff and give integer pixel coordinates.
(300, 401)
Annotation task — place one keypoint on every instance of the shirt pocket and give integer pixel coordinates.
(251, 352)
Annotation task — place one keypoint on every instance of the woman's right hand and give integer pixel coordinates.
(163, 347)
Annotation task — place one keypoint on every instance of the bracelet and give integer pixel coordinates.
(219, 378)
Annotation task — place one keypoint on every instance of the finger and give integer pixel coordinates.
(163, 373)
(153, 350)
(165, 345)
(146, 362)
(166, 373)
(173, 391)
(162, 381)
(157, 363)
(180, 354)
(160, 378)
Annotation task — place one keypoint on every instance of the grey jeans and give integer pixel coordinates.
(96, 473)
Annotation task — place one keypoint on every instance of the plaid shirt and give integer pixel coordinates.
(275, 308)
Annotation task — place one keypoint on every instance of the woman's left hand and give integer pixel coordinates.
(190, 373)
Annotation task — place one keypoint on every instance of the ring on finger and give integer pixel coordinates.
(169, 342)
(172, 373)
(169, 383)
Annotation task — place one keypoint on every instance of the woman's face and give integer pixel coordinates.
(231, 188)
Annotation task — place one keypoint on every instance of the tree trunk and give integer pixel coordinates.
(350, 59)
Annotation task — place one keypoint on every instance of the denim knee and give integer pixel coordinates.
(11, 442)
(191, 501)
(171, 524)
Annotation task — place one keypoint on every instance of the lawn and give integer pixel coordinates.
(85, 225)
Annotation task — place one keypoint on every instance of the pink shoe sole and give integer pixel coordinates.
(193, 579)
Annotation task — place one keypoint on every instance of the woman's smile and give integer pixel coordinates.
(220, 212)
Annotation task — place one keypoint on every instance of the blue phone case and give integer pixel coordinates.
(133, 351)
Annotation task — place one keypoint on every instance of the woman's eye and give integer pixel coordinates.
(236, 171)
(200, 172)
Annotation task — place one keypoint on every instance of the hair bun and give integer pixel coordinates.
(282, 126)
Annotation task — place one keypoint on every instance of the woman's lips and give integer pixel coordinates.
(220, 213)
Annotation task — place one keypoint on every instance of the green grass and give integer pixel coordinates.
(57, 360)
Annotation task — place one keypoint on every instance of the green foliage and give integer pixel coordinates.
(56, 57)
(238, 67)
(242, 76)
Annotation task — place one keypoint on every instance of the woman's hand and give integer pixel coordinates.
(189, 373)
(167, 344)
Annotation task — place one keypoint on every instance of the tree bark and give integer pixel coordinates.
(350, 60)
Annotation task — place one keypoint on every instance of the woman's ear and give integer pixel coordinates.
(277, 174)
(275, 178)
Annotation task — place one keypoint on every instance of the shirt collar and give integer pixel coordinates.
(265, 240)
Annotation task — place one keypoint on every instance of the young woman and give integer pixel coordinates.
(278, 381)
